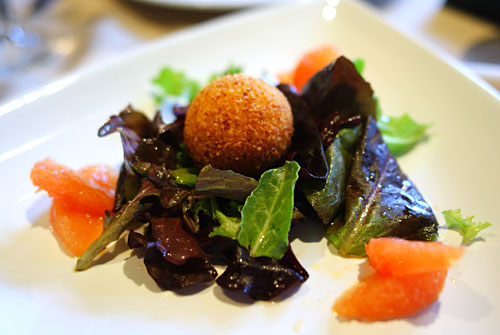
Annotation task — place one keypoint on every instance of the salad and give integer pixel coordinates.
(190, 209)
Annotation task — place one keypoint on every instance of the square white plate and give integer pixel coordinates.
(456, 168)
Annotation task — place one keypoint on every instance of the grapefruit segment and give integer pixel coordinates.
(409, 277)
(285, 77)
(62, 182)
(100, 176)
(398, 257)
(75, 229)
(80, 199)
(312, 62)
(379, 297)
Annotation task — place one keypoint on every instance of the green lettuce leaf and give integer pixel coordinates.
(229, 224)
(464, 225)
(328, 199)
(185, 176)
(229, 217)
(175, 84)
(231, 69)
(267, 213)
(401, 133)
(182, 157)
(359, 64)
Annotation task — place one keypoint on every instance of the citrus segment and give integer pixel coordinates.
(312, 62)
(285, 77)
(409, 277)
(100, 176)
(80, 199)
(62, 182)
(399, 257)
(75, 229)
(379, 297)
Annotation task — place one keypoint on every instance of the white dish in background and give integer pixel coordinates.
(211, 4)
(456, 168)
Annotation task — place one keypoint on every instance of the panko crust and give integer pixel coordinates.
(240, 123)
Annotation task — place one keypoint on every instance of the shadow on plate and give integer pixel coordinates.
(135, 270)
(462, 302)
(307, 231)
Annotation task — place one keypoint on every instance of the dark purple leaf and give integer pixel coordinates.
(127, 187)
(173, 258)
(132, 125)
(339, 87)
(136, 240)
(175, 244)
(172, 277)
(351, 122)
(180, 110)
(218, 247)
(307, 147)
(129, 119)
(173, 196)
(262, 278)
(329, 129)
(155, 152)
(152, 159)
(170, 133)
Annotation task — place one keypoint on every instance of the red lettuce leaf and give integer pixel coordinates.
(153, 159)
(380, 199)
(175, 244)
(172, 197)
(132, 126)
(170, 133)
(261, 278)
(338, 87)
(127, 187)
(173, 258)
(307, 147)
(169, 276)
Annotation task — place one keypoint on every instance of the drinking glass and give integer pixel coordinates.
(24, 34)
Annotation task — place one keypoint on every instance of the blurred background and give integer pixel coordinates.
(42, 40)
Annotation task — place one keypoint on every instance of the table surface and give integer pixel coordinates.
(93, 31)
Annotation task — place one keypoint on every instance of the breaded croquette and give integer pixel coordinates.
(240, 123)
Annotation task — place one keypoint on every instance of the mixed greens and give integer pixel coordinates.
(468, 228)
(338, 171)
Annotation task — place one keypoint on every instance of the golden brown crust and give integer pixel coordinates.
(240, 123)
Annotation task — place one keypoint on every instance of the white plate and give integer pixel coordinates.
(456, 168)
(211, 4)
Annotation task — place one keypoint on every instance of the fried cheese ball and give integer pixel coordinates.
(239, 123)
